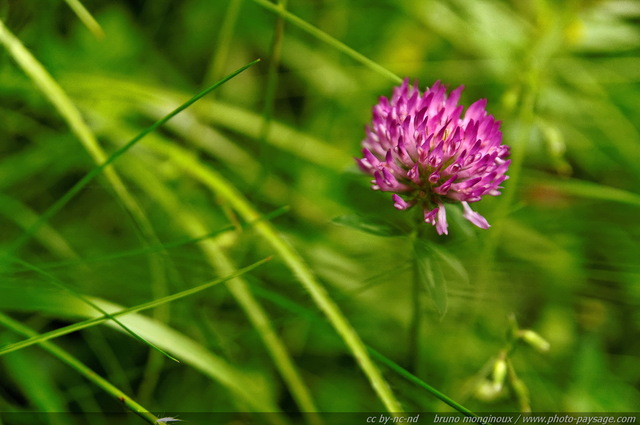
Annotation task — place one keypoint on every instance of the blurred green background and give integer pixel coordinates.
(561, 257)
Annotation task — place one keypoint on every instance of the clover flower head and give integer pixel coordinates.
(421, 148)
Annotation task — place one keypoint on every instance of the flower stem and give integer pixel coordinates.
(296, 264)
(82, 369)
(415, 326)
(331, 41)
(414, 379)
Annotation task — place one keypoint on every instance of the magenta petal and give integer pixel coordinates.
(426, 148)
(444, 187)
(414, 174)
(474, 217)
(441, 224)
(370, 158)
(400, 203)
(476, 111)
(430, 216)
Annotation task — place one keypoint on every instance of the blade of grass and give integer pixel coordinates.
(589, 190)
(331, 41)
(270, 93)
(61, 101)
(244, 172)
(293, 260)
(70, 113)
(190, 352)
(109, 361)
(145, 306)
(225, 115)
(82, 369)
(419, 382)
(10, 41)
(27, 377)
(239, 289)
(24, 217)
(308, 314)
(87, 19)
(261, 322)
(225, 40)
(57, 96)
(57, 282)
(163, 247)
(189, 127)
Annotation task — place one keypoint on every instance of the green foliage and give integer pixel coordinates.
(369, 224)
(429, 271)
(132, 215)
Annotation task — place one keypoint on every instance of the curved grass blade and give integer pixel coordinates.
(225, 40)
(163, 247)
(305, 312)
(219, 259)
(237, 119)
(190, 352)
(57, 282)
(269, 96)
(23, 216)
(589, 190)
(87, 19)
(430, 275)
(293, 260)
(369, 224)
(321, 35)
(412, 378)
(145, 306)
(71, 193)
(54, 93)
(82, 369)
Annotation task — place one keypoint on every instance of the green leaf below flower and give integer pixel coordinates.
(369, 224)
(430, 274)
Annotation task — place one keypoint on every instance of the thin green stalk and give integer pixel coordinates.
(83, 370)
(305, 312)
(70, 113)
(412, 378)
(415, 327)
(239, 383)
(518, 150)
(57, 96)
(224, 41)
(66, 108)
(240, 290)
(23, 216)
(150, 376)
(293, 260)
(145, 306)
(105, 354)
(163, 247)
(220, 114)
(55, 281)
(542, 49)
(270, 93)
(82, 183)
(331, 41)
(87, 19)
